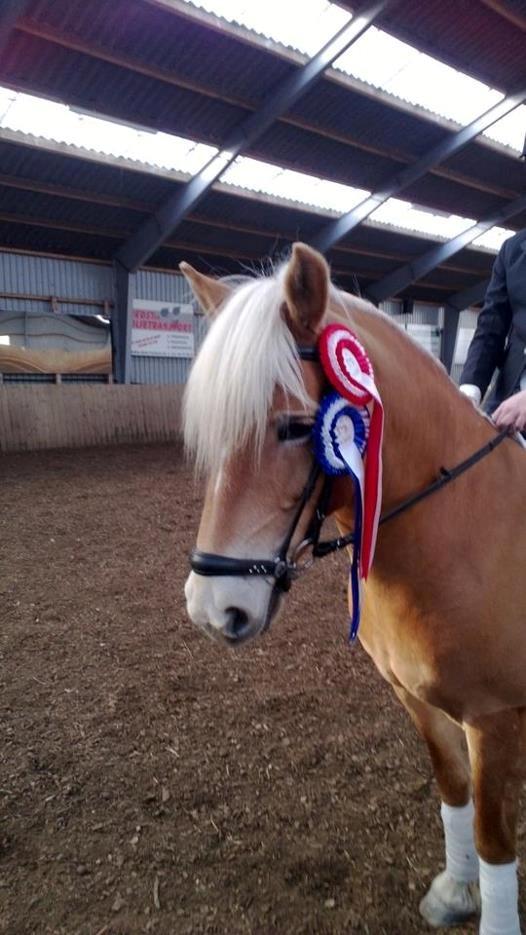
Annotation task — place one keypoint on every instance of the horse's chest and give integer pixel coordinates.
(400, 651)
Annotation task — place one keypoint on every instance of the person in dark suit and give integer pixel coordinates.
(499, 341)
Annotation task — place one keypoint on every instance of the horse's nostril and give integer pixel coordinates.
(237, 624)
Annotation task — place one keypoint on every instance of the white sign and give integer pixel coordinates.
(162, 329)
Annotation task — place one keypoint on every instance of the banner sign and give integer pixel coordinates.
(162, 329)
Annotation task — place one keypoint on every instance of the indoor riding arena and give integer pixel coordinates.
(153, 779)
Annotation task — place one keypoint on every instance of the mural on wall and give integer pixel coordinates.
(40, 343)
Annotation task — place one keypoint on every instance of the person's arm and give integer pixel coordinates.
(487, 346)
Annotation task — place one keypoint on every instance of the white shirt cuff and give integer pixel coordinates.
(472, 391)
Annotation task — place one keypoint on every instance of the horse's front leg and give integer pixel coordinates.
(453, 896)
(496, 750)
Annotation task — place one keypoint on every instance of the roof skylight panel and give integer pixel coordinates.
(7, 99)
(397, 68)
(398, 213)
(292, 186)
(170, 152)
(34, 116)
(304, 25)
(27, 114)
(510, 129)
(377, 58)
(494, 238)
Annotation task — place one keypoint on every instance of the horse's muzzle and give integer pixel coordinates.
(229, 610)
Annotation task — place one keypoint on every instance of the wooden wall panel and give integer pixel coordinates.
(82, 415)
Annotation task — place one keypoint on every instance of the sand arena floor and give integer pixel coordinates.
(153, 782)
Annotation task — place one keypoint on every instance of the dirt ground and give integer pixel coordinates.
(153, 782)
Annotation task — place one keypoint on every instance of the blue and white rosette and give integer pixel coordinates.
(340, 439)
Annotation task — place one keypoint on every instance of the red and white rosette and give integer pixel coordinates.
(349, 370)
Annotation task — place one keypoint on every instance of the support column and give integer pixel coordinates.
(449, 336)
(121, 322)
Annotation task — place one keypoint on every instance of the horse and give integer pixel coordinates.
(444, 605)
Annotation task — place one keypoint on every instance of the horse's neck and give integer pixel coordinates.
(427, 424)
(421, 556)
(427, 427)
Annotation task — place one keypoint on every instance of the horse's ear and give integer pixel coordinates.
(306, 287)
(209, 292)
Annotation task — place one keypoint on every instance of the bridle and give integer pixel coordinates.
(284, 569)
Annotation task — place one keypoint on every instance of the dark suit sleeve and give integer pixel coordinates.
(494, 322)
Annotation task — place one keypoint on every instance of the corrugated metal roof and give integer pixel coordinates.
(80, 173)
(57, 208)
(200, 82)
(466, 34)
(57, 241)
(360, 136)
(61, 74)
(163, 40)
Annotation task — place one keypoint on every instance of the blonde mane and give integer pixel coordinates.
(247, 353)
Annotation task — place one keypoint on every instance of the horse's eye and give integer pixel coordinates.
(294, 431)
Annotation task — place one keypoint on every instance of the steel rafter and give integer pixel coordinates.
(335, 230)
(473, 295)
(410, 273)
(151, 234)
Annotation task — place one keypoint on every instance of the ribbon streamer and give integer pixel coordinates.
(340, 440)
(350, 372)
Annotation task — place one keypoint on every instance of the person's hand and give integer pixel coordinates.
(512, 412)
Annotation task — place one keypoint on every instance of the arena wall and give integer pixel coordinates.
(38, 416)
(54, 406)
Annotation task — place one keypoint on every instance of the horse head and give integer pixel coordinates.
(249, 410)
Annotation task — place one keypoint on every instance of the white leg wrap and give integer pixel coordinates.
(499, 892)
(453, 896)
(462, 863)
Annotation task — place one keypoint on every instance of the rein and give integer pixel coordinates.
(284, 569)
(445, 477)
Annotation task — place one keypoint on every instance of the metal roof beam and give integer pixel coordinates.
(120, 234)
(410, 273)
(281, 236)
(211, 249)
(41, 187)
(335, 230)
(156, 229)
(10, 11)
(473, 295)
